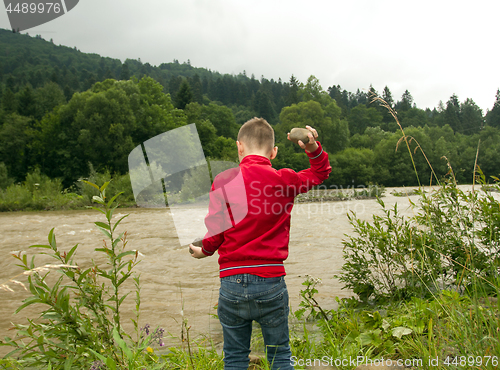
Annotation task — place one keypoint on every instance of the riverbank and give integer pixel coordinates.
(31, 196)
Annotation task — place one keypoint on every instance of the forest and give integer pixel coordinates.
(65, 113)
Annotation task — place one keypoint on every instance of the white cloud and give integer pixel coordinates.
(432, 48)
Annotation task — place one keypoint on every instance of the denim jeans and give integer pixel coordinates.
(244, 298)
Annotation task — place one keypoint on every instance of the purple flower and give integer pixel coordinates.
(97, 365)
(146, 329)
(157, 335)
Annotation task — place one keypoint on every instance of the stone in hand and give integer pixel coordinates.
(299, 134)
(198, 242)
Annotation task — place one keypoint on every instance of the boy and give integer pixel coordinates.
(248, 223)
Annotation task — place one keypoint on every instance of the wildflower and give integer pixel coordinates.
(97, 365)
(146, 329)
(158, 335)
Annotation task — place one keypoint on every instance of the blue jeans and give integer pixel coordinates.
(244, 298)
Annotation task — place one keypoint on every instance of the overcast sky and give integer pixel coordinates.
(432, 48)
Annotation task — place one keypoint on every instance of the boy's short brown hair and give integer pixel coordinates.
(257, 133)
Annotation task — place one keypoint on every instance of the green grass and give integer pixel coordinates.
(450, 326)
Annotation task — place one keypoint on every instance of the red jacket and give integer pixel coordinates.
(248, 220)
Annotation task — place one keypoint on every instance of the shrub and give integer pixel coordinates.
(5, 180)
(119, 183)
(38, 192)
(452, 243)
(388, 258)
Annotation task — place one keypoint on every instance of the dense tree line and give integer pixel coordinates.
(61, 109)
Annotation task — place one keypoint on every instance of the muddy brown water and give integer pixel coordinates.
(172, 282)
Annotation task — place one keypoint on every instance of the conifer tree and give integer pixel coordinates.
(493, 116)
(9, 101)
(293, 94)
(125, 72)
(184, 95)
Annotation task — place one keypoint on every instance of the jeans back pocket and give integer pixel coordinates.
(274, 310)
(228, 311)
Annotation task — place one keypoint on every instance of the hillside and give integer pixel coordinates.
(36, 61)
(61, 109)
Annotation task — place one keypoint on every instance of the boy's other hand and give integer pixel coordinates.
(311, 146)
(196, 252)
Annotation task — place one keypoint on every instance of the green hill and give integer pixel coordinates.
(36, 61)
(61, 109)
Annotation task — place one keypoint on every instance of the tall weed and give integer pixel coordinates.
(80, 325)
(446, 331)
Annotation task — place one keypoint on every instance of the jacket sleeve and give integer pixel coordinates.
(319, 170)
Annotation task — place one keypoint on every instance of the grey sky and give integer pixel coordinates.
(433, 48)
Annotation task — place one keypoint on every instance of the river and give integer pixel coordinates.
(172, 282)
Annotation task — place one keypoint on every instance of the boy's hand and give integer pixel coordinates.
(311, 146)
(196, 252)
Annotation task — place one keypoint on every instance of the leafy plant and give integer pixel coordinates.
(388, 258)
(451, 243)
(81, 321)
(38, 192)
(119, 183)
(447, 325)
(308, 301)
